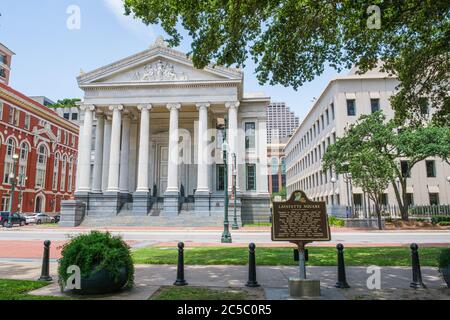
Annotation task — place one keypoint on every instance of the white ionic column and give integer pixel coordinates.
(106, 152)
(232, 140)
(98, 158)
(172, 175)
(144, 137)
(77, 169)
(84, 151)
(114, 157)
(202, 156)
(125, 154)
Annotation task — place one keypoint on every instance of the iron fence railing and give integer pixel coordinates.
(390, 211)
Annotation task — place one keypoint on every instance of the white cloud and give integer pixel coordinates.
(136, 26)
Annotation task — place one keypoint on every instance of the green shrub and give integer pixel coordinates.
(438, 219)
(335, 222)
(444, 258)
(444, 223)
(96, 251)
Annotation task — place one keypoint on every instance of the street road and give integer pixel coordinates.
(153, 237)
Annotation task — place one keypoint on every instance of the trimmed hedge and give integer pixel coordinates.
(440, 219)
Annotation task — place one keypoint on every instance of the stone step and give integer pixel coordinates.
(126, 218)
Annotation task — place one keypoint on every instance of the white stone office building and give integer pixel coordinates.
(342, 102)
(155, 140)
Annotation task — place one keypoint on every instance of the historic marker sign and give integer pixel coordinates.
(300, 220)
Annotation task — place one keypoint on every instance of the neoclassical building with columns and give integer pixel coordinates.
(151, 122)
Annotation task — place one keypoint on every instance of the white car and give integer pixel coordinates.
(41, 218)
(30, 219)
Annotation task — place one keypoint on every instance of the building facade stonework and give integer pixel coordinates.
(151, 120)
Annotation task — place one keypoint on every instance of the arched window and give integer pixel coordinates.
(63, 173)
(23, 162)
(41, 165)
(55, 172)
(9, 161)
(69, 183)
(10, 147)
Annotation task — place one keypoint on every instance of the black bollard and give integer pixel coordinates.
(342, 278)
(417, 274)
(45, 273)
(252, 283)
(180, 269)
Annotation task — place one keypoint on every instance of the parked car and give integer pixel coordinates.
(30, 218)
(16, 219)
(41, 218)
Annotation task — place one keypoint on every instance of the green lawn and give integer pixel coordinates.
(384, 256)
(18, 290)
(192, 293)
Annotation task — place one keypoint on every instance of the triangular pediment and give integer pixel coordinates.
(157, 64)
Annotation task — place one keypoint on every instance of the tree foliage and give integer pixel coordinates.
(291, 41)
(371, 150)
(66, 103)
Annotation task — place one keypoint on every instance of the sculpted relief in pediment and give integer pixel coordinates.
(159, 71)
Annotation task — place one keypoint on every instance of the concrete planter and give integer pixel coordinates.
(102, 282)
(364, 223)
(446, 275)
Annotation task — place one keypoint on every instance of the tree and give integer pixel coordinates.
(66, 103)
(372, 149)
(369, 171)
(291, 41)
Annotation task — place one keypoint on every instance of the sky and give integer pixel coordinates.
(52, 45)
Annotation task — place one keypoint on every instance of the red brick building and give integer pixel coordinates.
(45, 145)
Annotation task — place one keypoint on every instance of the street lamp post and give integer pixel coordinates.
(226, 235)
(12, 177)
(235, 225)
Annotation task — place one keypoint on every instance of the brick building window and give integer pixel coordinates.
(41, 165)
(63, 173)
(5, 203)
(55, 172)
(69, 184)
(8, 169)
(17, 118)
(27, 121)
(11, 115)
(23, 160)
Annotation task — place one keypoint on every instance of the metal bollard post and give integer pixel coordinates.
(180, 269)
(252, 283)
(417, 274)
(45, 273)
(342, 278)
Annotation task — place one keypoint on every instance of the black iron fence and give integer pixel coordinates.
(392, 211)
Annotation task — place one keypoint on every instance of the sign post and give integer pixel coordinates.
(301, 221)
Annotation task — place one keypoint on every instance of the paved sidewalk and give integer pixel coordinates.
(274, 280)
